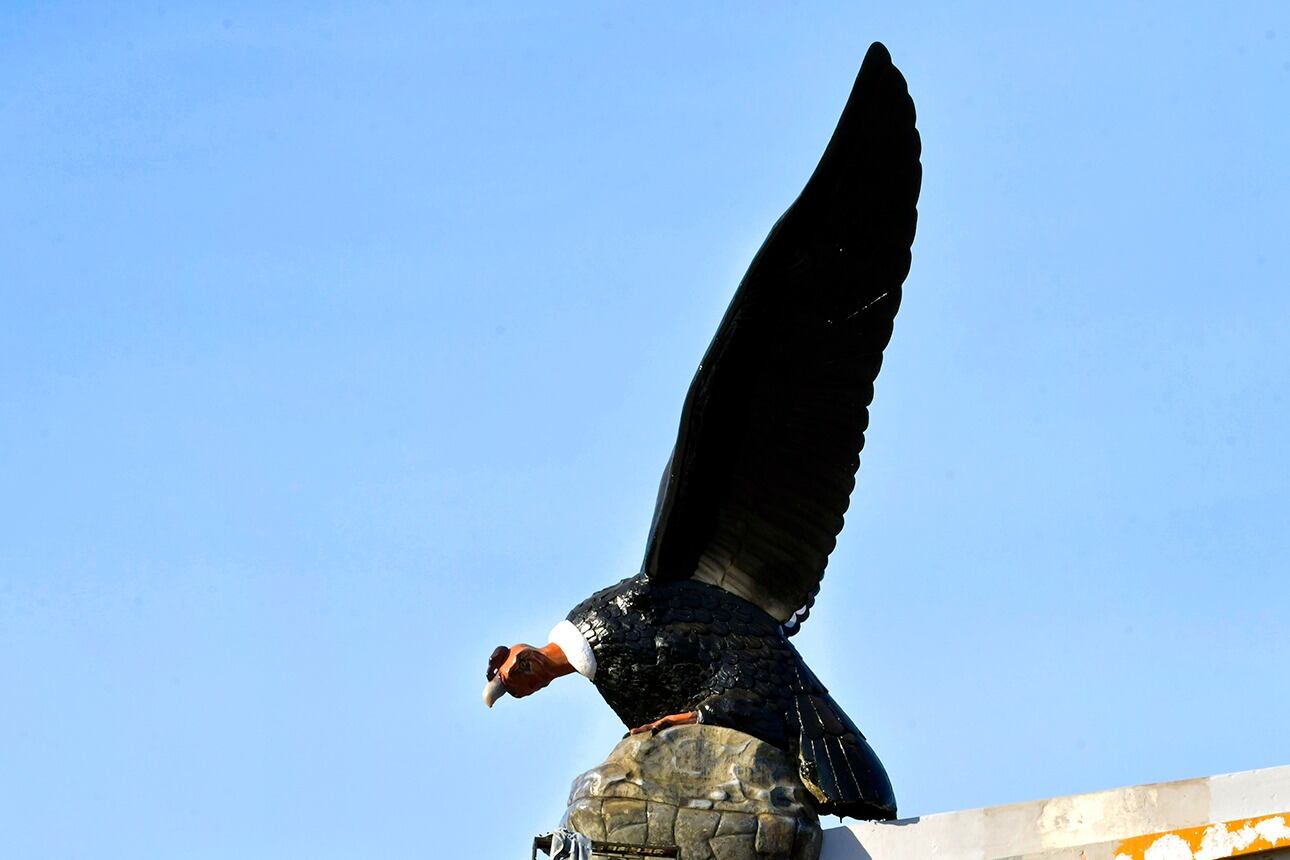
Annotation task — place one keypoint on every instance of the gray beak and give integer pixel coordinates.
(493, 690)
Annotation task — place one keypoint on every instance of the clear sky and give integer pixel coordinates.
(341, 343)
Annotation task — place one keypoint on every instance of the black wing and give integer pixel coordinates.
(771, 431)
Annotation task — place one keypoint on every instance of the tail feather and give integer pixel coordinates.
(837, 764)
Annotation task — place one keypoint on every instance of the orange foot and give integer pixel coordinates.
(670, 720)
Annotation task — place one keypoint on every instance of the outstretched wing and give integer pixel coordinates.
(753, 496)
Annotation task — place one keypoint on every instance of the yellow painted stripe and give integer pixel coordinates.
(1210, 841)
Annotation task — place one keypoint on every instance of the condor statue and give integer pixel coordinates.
(753, 496)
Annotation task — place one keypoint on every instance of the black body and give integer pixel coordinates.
(681, 646)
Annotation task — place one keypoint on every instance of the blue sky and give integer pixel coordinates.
(340, 343)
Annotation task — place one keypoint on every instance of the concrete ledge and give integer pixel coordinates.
(1234, 815)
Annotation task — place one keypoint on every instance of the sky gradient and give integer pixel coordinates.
(342, 343)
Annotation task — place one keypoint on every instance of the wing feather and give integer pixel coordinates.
(754, 494)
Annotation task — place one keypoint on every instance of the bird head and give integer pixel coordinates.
(522, 670)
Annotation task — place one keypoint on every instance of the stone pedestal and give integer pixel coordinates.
(714, 793)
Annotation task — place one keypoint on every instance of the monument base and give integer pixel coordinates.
(711, 792)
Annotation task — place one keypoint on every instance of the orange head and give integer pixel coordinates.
(522, 670)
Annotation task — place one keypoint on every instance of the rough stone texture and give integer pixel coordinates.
(714, 793)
